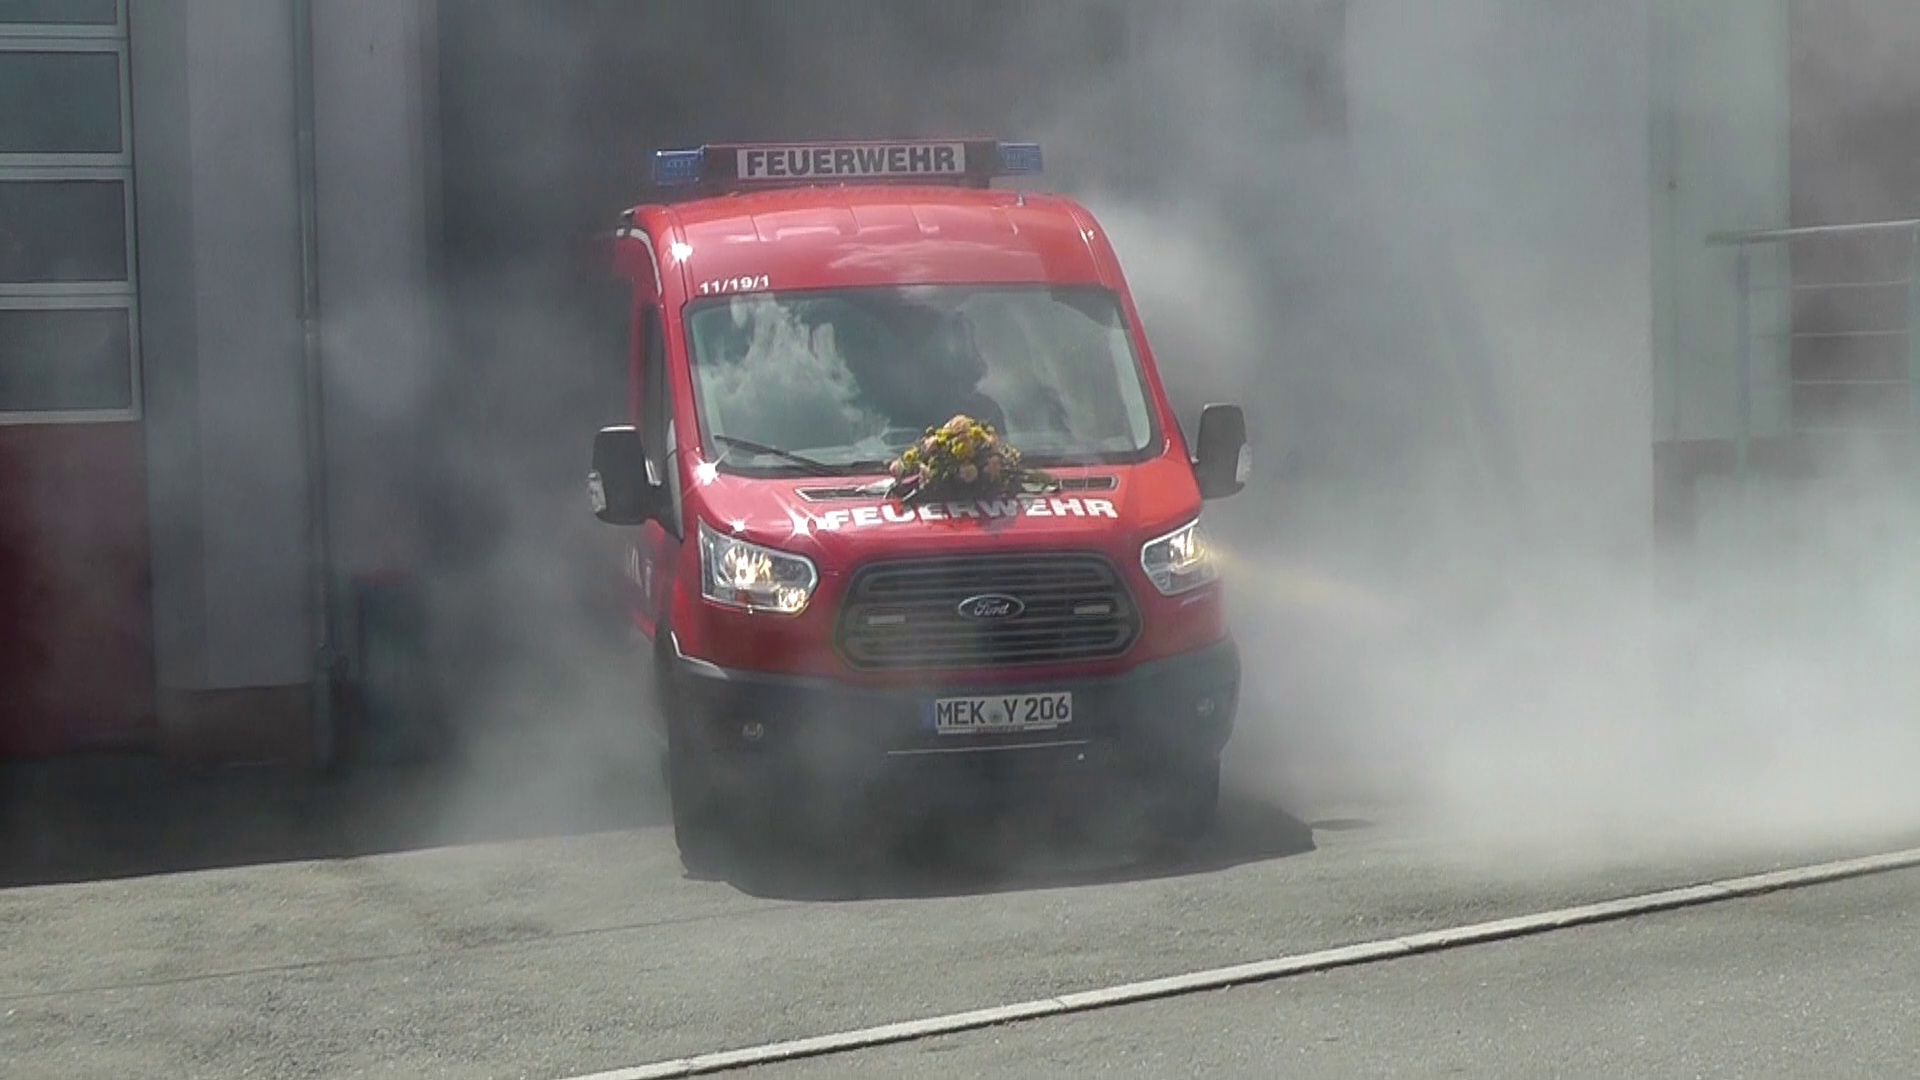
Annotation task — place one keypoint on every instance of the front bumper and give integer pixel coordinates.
(1170, 711)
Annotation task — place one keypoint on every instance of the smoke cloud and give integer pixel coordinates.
(1414, 240)
(1440, 320)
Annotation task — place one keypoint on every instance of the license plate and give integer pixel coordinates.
(999, 713)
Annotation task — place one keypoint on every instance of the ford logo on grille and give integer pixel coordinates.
(991, 606)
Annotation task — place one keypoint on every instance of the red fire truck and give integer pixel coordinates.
(905, 491)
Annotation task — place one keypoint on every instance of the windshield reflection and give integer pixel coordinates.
(848, 377)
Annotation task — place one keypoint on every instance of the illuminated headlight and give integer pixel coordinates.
(743, 575)
(1180, 561)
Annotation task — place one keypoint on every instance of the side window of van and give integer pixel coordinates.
(656, 409)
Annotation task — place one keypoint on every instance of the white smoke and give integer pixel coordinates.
(1438, 313)
(1445, 582)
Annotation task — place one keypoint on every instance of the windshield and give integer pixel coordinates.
(847, 378)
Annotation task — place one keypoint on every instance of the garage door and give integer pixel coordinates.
(75, 621)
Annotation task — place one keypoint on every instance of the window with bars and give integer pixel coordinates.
(69, 341)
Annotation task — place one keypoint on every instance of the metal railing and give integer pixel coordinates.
(1841, 379)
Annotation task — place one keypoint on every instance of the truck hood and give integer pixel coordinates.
(842, 521)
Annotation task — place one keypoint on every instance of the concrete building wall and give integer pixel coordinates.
(219, 229)
(163, 150)
(376, 150)
(1504, 146)
(1721, 125)
(215, 151)
(249, 404)
(1856, 100)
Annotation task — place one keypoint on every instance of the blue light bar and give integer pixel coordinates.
(678, 168)
(744, 165)
(1020, 159)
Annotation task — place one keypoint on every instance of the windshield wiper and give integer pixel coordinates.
(1065, 458)
(817, 468)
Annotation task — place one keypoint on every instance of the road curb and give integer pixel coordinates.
(1224, 978)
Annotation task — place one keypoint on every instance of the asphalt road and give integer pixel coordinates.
(1818, 983)
(551, 957)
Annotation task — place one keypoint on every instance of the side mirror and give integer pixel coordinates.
(618, 485)
(1223, 459)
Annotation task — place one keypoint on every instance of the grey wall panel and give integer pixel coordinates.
(1504, 147)
(163, 152)
(374, 149)
(253, 512)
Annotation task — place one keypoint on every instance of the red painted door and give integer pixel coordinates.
(76, 649)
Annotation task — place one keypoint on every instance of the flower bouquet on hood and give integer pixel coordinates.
(963, 459)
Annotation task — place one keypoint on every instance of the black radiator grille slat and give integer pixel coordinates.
(902, 615)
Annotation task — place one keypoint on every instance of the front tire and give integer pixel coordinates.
(700, 824)
(701, 827)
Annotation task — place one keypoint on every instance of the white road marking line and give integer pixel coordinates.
(1268, 970)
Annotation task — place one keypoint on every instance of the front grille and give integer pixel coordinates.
(901, 615)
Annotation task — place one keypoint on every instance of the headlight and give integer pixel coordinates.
(743, 575)
(1180, 561)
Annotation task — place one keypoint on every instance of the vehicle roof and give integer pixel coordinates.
(823, 237)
